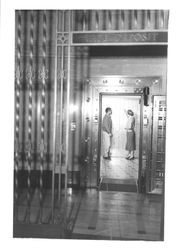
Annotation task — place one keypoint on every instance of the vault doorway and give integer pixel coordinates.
(118, 171)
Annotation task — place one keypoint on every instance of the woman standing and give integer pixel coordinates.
(130, 144)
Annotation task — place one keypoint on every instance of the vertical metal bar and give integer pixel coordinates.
(140, 146)
(163, 133)
(161, 21)
(166, 17)
(156, 21)
(68, 104)
(84, 20)
(122, 19)
(42, 118)
(60, 129)
(17, 115)
(96, 20)
(163, 183)
(72, 20)
(54, 122)
(148, 17)
(114, 19)
(126, 19)
(132, 19)
(91, 139)
(143, 18)
(89, 20)
(149, 131)
(92, 19)
(101, 23)
(153, 19)
(154, 139)
(29, 145)
(86, 119)
(61, 113)
(140, 19)
(109, 19)
(135, 19)
(118, 20)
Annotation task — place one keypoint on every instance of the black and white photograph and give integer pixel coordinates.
(90, 120)
(90, 124)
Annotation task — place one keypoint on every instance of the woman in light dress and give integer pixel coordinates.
(130, 143)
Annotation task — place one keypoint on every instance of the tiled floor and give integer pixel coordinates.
(93, 214)
(114, 215)
(119, 168)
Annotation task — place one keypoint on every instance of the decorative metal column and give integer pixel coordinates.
(30, 77)
(63, 51)
(43, 76)
(17, 114)
(68, 104)
(54, 125)
(61, 39)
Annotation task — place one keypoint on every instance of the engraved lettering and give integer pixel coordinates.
(124, 37)
(144, 37)
(154, 36)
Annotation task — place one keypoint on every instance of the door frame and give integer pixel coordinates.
(116, 85)
(101, 94)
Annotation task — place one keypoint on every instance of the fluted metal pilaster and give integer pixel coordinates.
(30, 75)
(43, 77)
(68, 105)
(17, 114)
(54, 125)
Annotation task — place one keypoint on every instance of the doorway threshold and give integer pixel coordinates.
(121, 185)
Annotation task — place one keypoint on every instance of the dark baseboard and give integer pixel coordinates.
(35, 175)
(50, 231)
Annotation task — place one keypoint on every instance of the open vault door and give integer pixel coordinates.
(157, 170)
(152, 128)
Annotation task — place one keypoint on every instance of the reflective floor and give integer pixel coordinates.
(93, 214)
(113, 215)
(119, 168)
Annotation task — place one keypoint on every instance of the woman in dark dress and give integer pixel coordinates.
(130, 144)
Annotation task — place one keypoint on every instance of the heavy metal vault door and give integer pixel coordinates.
(156, 176)
(91, 134)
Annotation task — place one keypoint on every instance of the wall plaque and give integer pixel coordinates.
(120, 37)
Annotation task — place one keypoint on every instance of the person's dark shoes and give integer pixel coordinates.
(109, 158)
(131, 158)
(106, 158)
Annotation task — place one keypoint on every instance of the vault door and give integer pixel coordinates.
(121, 86)
(158, 145)
(119, 167)
(88, 170)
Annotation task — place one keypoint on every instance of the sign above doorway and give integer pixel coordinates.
(118, 38)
